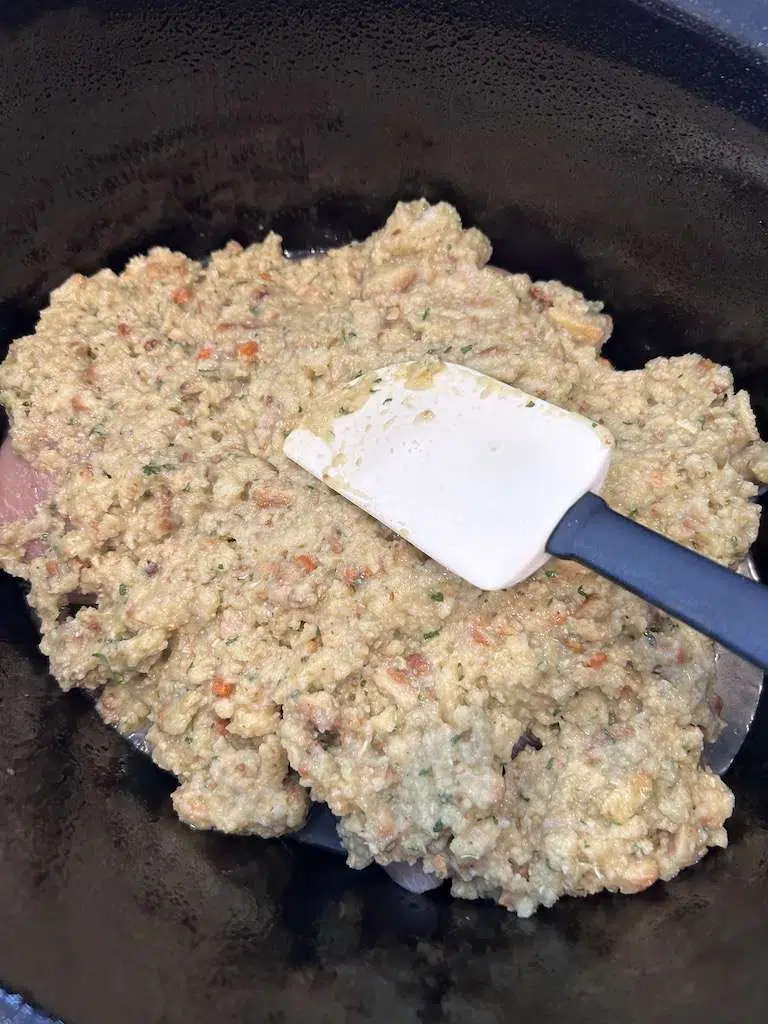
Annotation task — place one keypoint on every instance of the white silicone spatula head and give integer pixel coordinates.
(471, 471)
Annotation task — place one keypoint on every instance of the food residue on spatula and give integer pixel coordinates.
(474, 472)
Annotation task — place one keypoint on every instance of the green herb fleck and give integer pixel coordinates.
(437, 595)
(530, 405)
(344, 411)
(632, 512)
(98, 430)
(650, 636)
(310, 487)
(123, 589)
(583, 592)
(438, 826)
(358, 374)
(425, 773)
(153, 468)
(232, 640)
(466, 348)
(425, 314)
(432, 634)
(550, 574)
(455, 739)
(550, 762)
(447, 350)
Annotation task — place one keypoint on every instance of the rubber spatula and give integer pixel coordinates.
(490, 482)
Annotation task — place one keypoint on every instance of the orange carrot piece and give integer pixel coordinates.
(308, 562)
(222, 688)
(249, 350)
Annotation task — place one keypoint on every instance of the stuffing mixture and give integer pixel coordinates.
(279, 646)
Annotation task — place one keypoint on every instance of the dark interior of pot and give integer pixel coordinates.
(617, 148)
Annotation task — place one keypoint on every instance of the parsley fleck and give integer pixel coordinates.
(447, 350)
(343, 411)
(438, 826)
(425, 314)
(99, 430)
(632, 512)
(425, 773)
(232, 640)
(153, 468)
(358, 374)
(437, 595)
(466, 348)
(583, 592)
(122, 589)
(550, 574)
(530, 405)
(650, 636)
(432, 634)
(455, 739)
(550, 762)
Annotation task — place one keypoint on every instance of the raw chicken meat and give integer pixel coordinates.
(21, 486)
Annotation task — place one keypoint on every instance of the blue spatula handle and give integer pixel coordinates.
(716, 601)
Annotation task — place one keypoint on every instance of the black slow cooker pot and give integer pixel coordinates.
(617, 145)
